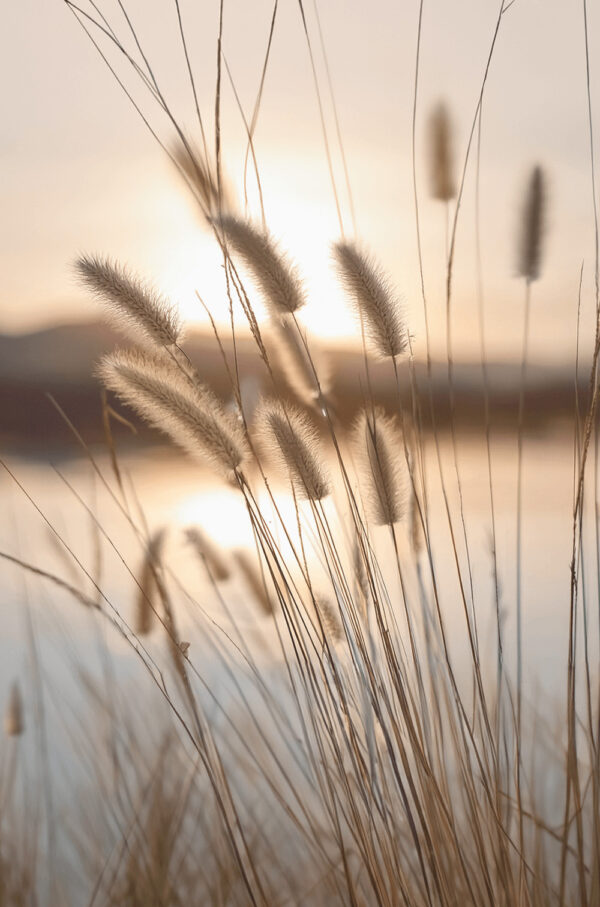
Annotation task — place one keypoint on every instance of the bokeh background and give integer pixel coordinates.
(80, 172)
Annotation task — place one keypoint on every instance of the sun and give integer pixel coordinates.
(187, 263)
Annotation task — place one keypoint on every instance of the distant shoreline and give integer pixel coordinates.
(60, 362)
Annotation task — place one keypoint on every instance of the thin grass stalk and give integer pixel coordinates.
(487, 419)
(449, 272)
(572, 771)
(322, 117)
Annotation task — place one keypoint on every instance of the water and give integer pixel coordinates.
(72, 659)
(173, 492)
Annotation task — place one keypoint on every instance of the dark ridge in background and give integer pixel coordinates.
(60, 361)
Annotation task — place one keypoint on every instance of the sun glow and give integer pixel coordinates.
(186, 262)
(222, 513)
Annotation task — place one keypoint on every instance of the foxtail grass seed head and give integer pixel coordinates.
(14, 723)
(132, 306)
(306, 374)
(532, 226)
(202, 179)
(276, 276)
(249, 570)
(147, 587)
(293, 440)
(332, 629)
(379, 448)
(169, 401)
(373, 299)
(208, 553)
(441, 156)
(361, 577)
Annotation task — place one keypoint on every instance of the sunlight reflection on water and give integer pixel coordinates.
(175, 493)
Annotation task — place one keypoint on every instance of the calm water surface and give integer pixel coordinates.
(171, 491)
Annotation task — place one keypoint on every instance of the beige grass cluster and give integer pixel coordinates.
(379, 447)
(290, 435)
(278, 279)
(131, 305)
(185, 410)
(358, 738)
(373, 298)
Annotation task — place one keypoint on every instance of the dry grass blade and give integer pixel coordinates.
(277, 278)
(532, 227)
(132, 306)
(208, 552)
(189, 413)
(378, 446)
(373, 298)
(14, 722)
(147, 586)
(441, 158)
(417, 540)
(292, 438)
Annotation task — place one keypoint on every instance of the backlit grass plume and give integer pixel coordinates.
(294, 441)
(331, 627)
(441, 158)
(532, 226)
(373, 299)
(208, 553)
(202, 179)
(132, 306)
(14, 724)
(145, 609)
(379, 447)
(277, 278)
(168, 400)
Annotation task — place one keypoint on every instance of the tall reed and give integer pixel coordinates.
(345, 743)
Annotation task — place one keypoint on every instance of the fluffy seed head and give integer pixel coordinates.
(132, 306)
(362, 579)
(296, 364)
(532, 226)
(331, 623)
(171, 401)
(441, 157)
(373, 299)
(144, 615)
(208, 552)
(14, 724)
(277, 278)
(295, 443)
(379, 447)
(202, 179)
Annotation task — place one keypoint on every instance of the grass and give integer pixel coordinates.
(354, 748)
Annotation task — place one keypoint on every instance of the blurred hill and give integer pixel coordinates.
(60, 361)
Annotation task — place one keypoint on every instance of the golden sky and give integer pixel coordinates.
(80, 173)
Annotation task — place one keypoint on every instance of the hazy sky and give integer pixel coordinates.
(81, 173)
